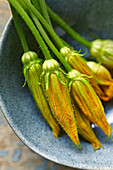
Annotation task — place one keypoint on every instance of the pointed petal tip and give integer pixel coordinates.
(57, 137)
(58, 134)
(79, 146)
(97, 146)
(109, 136)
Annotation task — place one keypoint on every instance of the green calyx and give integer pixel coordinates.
(67, 52)
(75, 75)
(30, 59)
(51, 66)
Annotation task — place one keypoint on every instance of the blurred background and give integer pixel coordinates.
(14, 155)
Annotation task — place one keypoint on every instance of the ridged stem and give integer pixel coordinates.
(19, 29)
(50, 44)
(44, 11)
(37, 6)
(32, 27)
(44, 23)
(58, 20)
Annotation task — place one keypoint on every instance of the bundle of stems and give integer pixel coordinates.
(67, 99)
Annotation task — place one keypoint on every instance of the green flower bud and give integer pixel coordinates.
(74, 74)
(65, 52)
(29, 57)
(102, 50)
(50, 65)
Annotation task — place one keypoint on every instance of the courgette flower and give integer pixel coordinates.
(78, 63)
(102, 51)
(84, 128)
(54, 84)
(103, 78)
(32, 71)
(87, 100)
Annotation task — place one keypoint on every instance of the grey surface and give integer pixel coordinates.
(19, 107)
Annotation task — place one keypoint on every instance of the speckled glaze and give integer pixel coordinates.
(18, 105)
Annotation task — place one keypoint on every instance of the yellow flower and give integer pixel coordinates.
(59, 100)
(32, 71)
(84, 128)
(87, 100)
(103, 78)
(79, 63)
(102, 50)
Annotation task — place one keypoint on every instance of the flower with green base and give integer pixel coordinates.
(32, 71)
(77, 62)
(54, 84)
(102, 51)
(87, 100)
(51, 66)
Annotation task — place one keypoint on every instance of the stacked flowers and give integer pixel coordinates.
(68, 100)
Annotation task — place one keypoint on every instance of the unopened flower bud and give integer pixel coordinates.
(50, 65)
(32, 71)
(78, 63)
(103, 79)
(102, 51)
(59, 100)
(29, 57)
(87, 100)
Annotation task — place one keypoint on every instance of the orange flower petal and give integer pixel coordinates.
(84, 128)
(79, 63)
(60, 103)
(89, 103)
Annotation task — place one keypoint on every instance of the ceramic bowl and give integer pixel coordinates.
(18, 105)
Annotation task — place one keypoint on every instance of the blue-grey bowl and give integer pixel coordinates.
(17, 103)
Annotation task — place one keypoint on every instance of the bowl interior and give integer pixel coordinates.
(18, 104)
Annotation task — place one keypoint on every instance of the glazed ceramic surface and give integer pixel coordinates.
(18, 105)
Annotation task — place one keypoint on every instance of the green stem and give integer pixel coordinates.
(46, 16)
(50, 44)
(45, 24)
(68, 29)
(19, 29)
(45, 12)
(36, 4)
(32, 27)
(48, 41)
